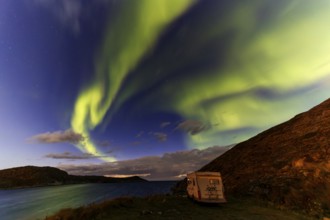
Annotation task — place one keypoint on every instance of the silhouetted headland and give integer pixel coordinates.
(32, 176)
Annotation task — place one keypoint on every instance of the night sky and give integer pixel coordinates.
(155, 88)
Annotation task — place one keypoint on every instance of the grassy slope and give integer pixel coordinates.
(175, 207)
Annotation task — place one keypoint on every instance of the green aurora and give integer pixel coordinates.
(284, 51)
(128, 38)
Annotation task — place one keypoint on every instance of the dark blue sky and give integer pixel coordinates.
(93, 82)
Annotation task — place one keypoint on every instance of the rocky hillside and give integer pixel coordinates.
(31, 176)
(288, 164)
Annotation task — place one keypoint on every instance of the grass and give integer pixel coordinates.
(176, 207)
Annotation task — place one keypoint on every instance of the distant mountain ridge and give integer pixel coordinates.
(32, 176)
(288, 164)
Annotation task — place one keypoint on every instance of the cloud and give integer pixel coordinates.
(70, 156)
(67, 136)
(68, 12)
(169, 166)
(103, 143)
(111, 151)
(192, 126)
(165, 124)
(160, 136)
(139, 134)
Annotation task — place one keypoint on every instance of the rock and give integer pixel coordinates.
(146, 212)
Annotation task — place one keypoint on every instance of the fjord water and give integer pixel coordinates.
(37, 203)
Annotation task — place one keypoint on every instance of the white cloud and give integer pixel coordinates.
(169, 166)
(67, 136)
(160, 136)
(70, 156)
(165, 124)
(192, 126)
(68, 12)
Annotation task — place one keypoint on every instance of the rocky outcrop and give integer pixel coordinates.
(288, 164)
(31, 176)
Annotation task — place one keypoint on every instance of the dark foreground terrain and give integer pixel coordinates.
(176, 207)
(32, 176)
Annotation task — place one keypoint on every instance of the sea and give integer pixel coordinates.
(38, 203)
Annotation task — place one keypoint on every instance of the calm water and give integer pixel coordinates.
(37, 203)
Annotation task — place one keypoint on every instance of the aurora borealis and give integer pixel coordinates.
(127, 40)
(111, 81)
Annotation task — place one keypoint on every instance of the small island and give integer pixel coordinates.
(32, 176)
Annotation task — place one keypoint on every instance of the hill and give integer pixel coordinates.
(31, 176)
(288, 164)
(175, 207)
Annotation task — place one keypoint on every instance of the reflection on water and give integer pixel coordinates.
(37, 203)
